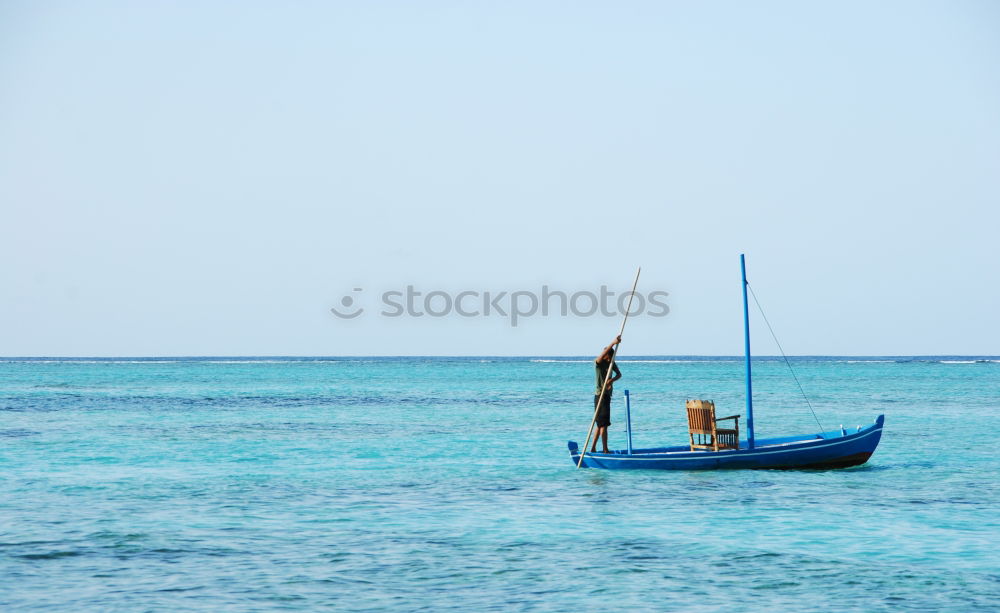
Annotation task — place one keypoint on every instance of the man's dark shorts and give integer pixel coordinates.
(604, 414)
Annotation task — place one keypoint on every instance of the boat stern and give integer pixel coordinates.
(574, 451)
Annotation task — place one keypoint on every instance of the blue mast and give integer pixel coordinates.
(628, 421)
(746, 350)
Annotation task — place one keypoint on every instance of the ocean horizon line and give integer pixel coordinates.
(554, 357)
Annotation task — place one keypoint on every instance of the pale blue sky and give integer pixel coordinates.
(187, 178)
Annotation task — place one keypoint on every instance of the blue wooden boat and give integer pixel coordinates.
(835, 449)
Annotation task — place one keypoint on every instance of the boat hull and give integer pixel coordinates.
(837, 449)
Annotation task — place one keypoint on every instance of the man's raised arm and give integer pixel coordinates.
(606, 354)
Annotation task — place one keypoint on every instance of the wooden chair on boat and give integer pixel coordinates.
(703, 423)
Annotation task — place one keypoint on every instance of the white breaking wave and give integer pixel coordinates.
(190, 361)
(93, 361)
(866, 361)
(637, 361)
(247, 361)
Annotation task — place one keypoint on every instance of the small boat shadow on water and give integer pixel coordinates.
(881, 467)
(858, 469)
(602, 478)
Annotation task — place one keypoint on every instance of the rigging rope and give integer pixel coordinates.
(789, 364)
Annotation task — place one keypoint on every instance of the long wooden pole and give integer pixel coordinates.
(607, 375)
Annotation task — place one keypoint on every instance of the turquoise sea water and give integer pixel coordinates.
(444, 483)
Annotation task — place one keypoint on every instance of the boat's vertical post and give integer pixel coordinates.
(628, 422)
(746, 351)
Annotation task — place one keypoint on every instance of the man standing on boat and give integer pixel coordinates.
(601, 365)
